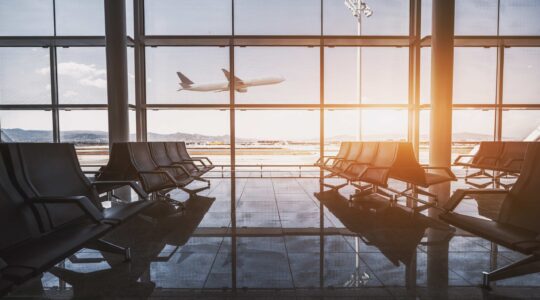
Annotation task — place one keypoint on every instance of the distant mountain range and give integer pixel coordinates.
(101, 137)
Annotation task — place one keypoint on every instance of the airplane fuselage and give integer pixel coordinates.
(240, 85)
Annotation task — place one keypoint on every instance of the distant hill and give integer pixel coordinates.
(101, 137)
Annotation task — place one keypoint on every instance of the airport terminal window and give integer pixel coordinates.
(26, 126)
(521, 75)
(188, 17)
(520, 17)
(289, 137)
(340, 125)
(277, 17)
(519, 125)
(15, 14)
(203, 79)
(88, 130)
(131, 74)
(132, 125)
(476, 17)
(206, 132)
(424, 132)
(384, 75)
(390, 17)
(25, 76)
(469, 127)
(82, 75)
(80, 17)
(425, 75)
(271, 75)
(475, 74)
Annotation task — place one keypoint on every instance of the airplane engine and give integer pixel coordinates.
(242, 90)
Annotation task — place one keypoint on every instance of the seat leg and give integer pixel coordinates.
(193, 192)
(528, 265)
(102, 245)
(202, 180)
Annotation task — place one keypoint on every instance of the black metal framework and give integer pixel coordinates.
(414, 42)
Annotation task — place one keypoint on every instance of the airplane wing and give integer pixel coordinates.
(228, 75)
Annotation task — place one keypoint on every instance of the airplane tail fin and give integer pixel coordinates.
(228, 75)
(184, 81)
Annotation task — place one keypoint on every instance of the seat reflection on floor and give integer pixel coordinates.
(287, 237)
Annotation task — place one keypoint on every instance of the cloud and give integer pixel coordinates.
(78, 70)
(70, 93)
(85, 74)
(95, 82)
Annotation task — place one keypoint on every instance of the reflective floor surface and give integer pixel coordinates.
(273, 239)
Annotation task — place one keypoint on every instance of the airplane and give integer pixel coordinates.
(240, 85)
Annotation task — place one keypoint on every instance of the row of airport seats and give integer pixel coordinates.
(159, 166)
(373, 163)
(49, 210)
(504, 157)
(517, 225)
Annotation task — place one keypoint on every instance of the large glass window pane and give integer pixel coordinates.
(206, 132)
(426, 18)
(424, 132)
(390, 17)
(469, 127)
(277, 75)
(425, 75)
(519, 125)
(475, 75)
(521, 75)
(25, 76)
(203, 79)
(131, 74)
(25, 126)
(277, 17)
(476, 17)
(132, 125)
(363, 125)
(80, 17)
(520, 17)
(88, 130)
(82, 75)
(383, 78)
(277, 137)
(130, 19)
(188, 17)
(26, 17)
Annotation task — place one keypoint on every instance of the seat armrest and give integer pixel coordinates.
(177, 167)
(133, 184)
(201, 158)
(445, 169)
(157, 172)
(458, 159)
(459, 194)
(81, 201)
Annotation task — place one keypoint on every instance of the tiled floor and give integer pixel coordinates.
(273, 239)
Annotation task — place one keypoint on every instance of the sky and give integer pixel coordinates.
(25, 74)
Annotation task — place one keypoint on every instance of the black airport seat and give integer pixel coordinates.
(487, 156)
(341, 165)
(205, 163)
(517, 226)
(34, 239)
(342, 153)
(354, 170)
(174, 155)
(53, 170)
(163, 160)
(512, 157)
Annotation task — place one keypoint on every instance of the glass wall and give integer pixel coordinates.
(305, 73)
